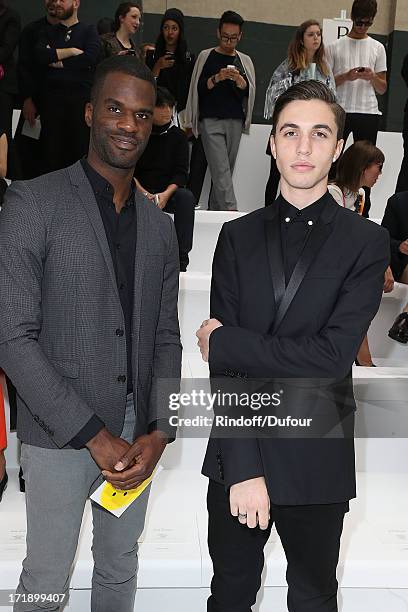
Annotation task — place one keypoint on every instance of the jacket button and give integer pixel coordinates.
(119, 332)
(121, 378)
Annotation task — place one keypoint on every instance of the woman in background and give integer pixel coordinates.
(358, 167)
(171, 62)
(305, 61)
(127, 22)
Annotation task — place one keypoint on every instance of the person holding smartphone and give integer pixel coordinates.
(171, 62)
(220, 105)
(359, 66)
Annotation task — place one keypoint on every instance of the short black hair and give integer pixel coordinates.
(231, 17)
(363, 9)
(164, 98)
(310, 90)
(126, 64)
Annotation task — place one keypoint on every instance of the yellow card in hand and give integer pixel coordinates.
(117, 501)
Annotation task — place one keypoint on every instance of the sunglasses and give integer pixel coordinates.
(361, 23)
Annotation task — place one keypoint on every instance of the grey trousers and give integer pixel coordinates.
(58, 483)
(221, 138)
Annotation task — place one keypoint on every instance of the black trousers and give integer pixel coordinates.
(363, 127)
(64, 133)
(310, 536)
(198, 168)
(402, 182)
(182, 204)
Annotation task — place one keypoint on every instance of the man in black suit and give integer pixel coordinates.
(294, 289)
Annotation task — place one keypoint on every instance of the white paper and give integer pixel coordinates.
(34, 131)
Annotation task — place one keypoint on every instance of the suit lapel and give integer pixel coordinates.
(87, 199)
(274, 250)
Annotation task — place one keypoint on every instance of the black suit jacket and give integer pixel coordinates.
(396, 221)
(317, 339)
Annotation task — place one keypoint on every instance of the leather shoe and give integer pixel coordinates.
(399, 330)
(3, 485)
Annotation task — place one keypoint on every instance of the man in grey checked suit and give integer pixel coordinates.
(88, 327)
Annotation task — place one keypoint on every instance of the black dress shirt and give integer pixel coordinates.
(120, 229)
(296, 225)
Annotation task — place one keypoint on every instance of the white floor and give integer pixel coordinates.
(174, 563)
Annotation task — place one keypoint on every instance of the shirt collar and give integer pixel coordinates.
(309, 213)
(101, 186)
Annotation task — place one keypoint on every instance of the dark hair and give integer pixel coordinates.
(363, 9)
(123, 10)
(181, 49)
(231, 17)
(125, 64)
(354, 161)
(310, 90)
(165, 98)
(297, 55)
(105, 25)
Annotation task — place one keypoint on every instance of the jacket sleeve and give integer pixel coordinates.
(10, 39)
(91, 55)
(241, 457)
(327, 354)
(23, 258)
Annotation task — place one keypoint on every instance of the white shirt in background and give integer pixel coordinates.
(347, 199)
(345, 53)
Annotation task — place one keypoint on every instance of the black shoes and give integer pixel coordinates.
(3, 485)
(399, 330)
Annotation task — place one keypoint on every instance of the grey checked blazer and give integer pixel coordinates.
(60, 309)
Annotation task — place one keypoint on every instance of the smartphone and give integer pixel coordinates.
(169, 55)
(361, 69)
(131, 52)
(231, 67)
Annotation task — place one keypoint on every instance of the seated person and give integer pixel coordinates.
(359, 166)
(161, 172)
(396, 221)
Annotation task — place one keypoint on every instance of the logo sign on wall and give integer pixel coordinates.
(336, 28)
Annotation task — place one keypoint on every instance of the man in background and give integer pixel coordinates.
(220, 105)
(31, 83)
(69, 53)
(359, 65)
